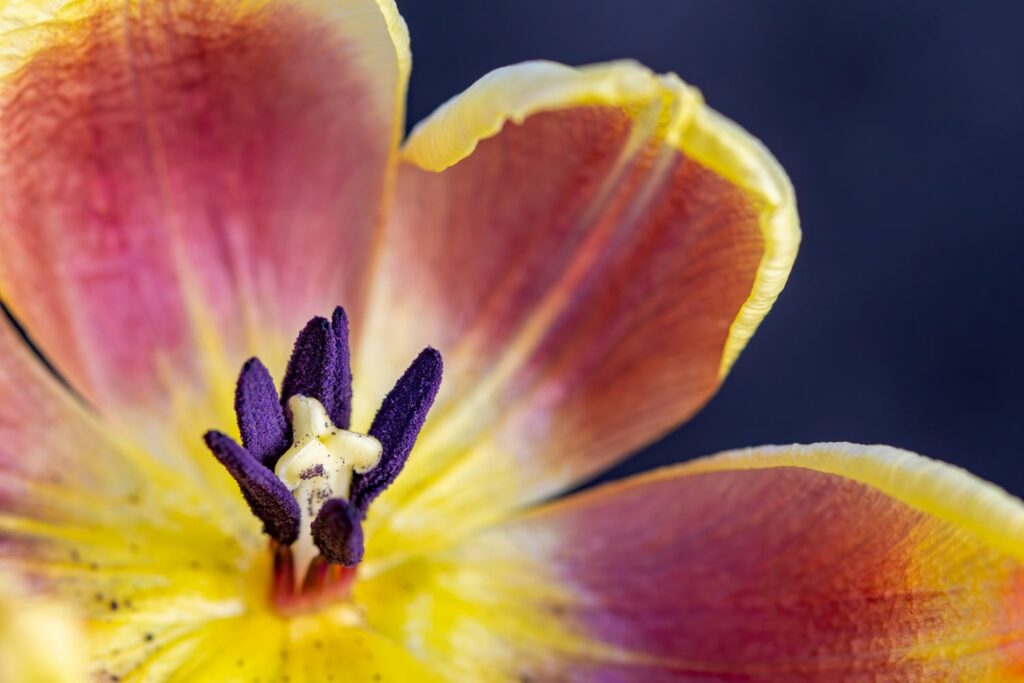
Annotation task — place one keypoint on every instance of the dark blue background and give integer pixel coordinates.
(901, 124)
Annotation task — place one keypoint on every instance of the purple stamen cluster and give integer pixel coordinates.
(320, 368)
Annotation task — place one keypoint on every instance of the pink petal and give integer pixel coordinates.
(186, 184)
(829, 562)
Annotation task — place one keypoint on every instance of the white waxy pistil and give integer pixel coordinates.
(319, 466)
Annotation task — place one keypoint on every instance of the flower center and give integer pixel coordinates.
(319, 466)
(304, 474)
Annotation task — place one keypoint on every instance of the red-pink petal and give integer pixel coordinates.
(818, 563)
(186, 184)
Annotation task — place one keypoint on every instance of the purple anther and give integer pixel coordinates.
(310, 369)
(269, 499)
(320, 367)
(338, 532)
(341, 403)
(397, 424)
(261, 421)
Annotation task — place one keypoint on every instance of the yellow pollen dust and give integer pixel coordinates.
(319, 465)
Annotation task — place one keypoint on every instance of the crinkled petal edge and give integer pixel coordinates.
(513, 93)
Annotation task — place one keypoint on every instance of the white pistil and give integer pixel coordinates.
(319, 466)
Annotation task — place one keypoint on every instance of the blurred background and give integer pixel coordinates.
(901, 125)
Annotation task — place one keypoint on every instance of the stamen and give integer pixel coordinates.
(284, 572)
(303, 474)
(320, 367)
(317, 575)
(338, 532)
(268, 498)
(261, 418)
(340, 408)
(397, 425)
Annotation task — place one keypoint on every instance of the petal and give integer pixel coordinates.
(325, 648)
(134, 545)
(589, 249)
(40, 642)
(51, 446)
(316, 649)
(77, 494)
(830, 562)
(186, 183)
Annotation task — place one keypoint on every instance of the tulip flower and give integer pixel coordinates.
(285, 397)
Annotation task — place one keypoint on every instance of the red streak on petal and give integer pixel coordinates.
(1013, 626)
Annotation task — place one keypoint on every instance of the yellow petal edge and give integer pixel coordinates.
(513, 93)
(400, 37)
(28, 25)
(944, 491)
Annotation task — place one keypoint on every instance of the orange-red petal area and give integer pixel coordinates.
(589, 249)
(829, 562)
(186, 183)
